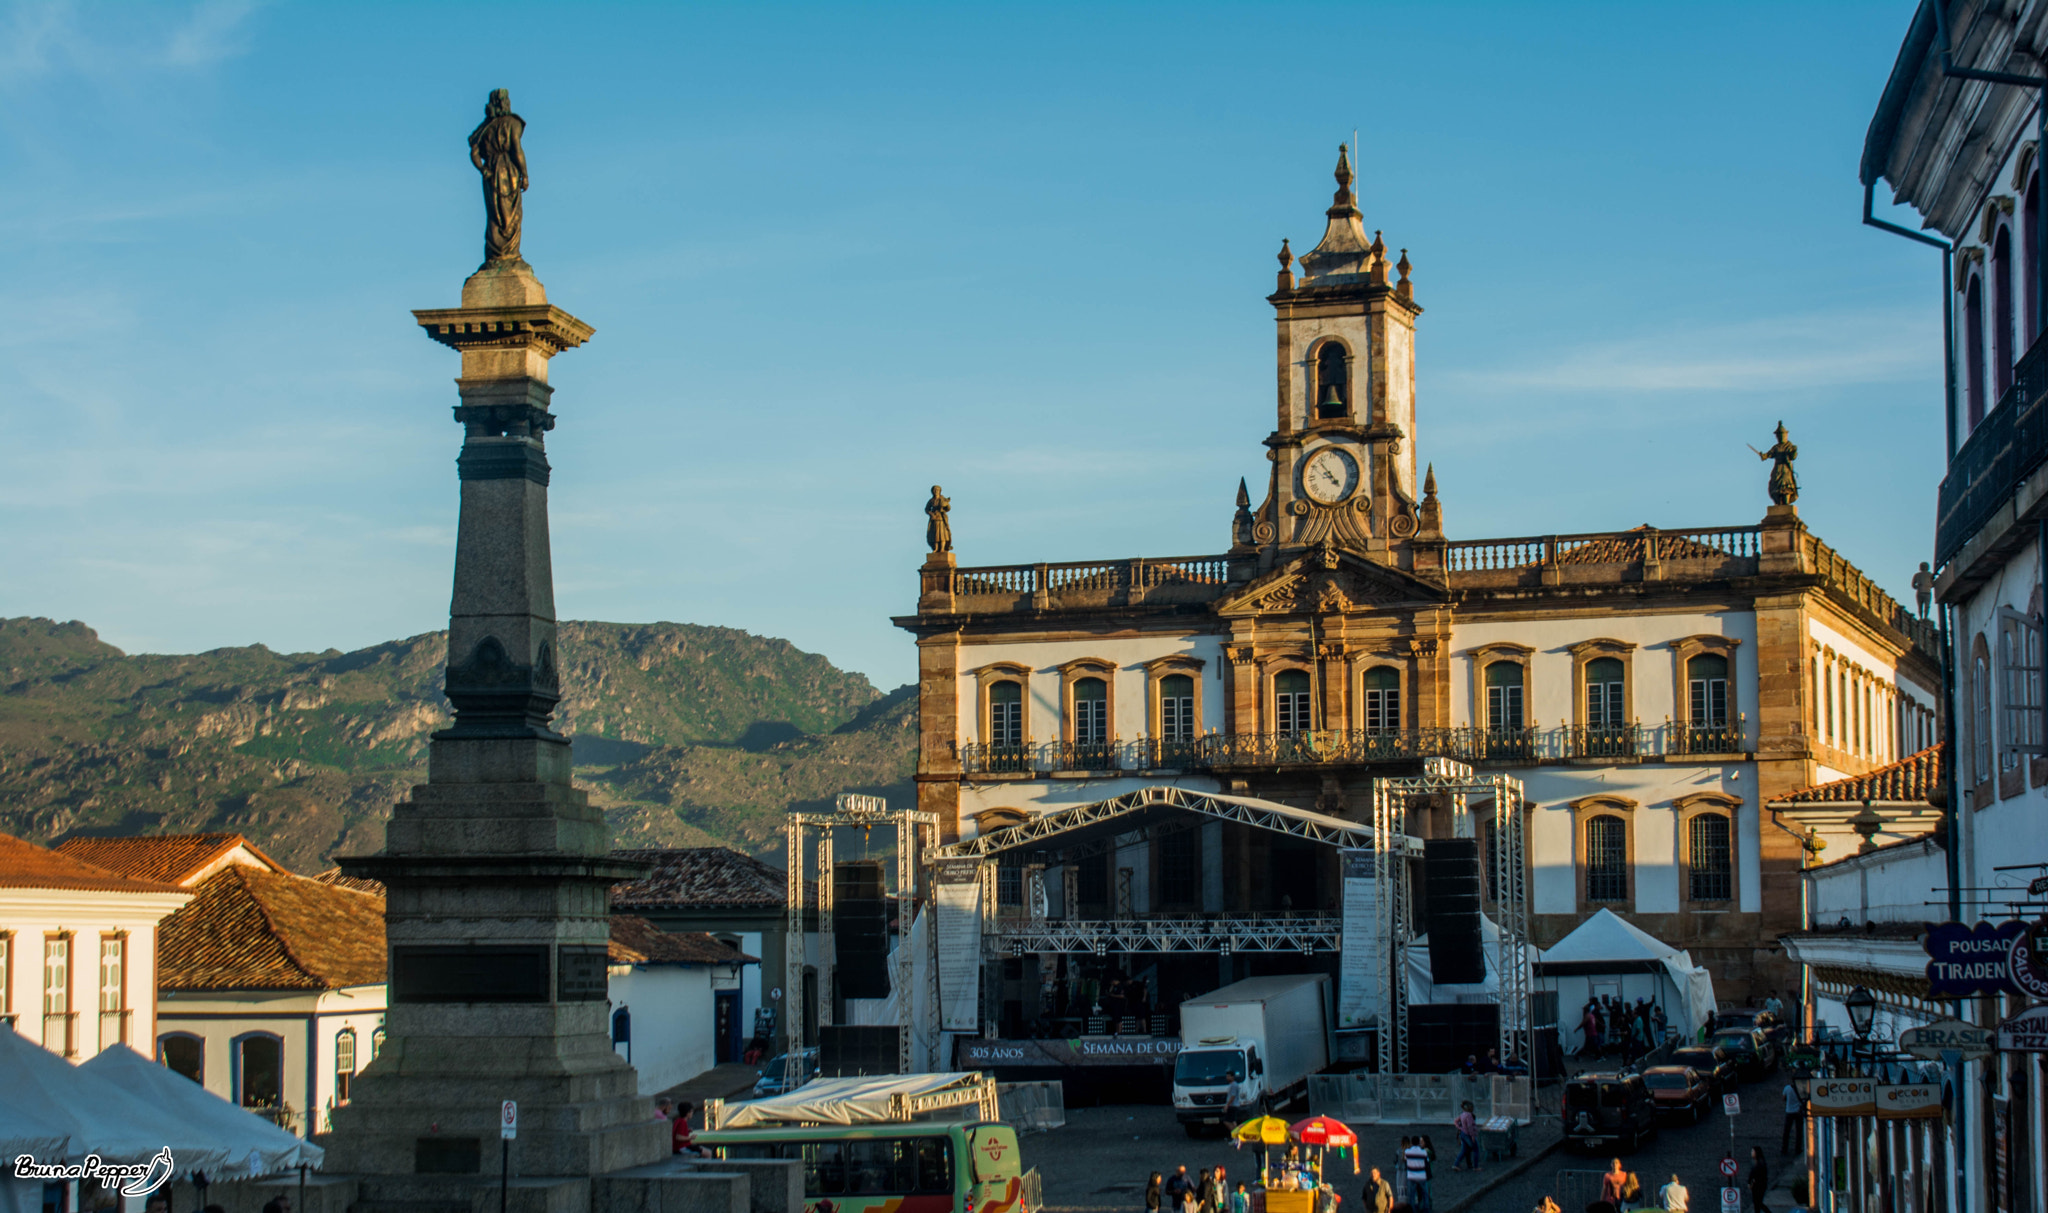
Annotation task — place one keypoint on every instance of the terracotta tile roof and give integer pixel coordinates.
(1914, 779)
(249, 929)
(24, 865)
(361, 884)
(703, 877)
(174, 858)
(638, 941)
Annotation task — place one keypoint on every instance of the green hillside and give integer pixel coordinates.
(685, 734)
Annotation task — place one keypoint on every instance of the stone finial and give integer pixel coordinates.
(1429, 483)
(1244, 495)
(1344, 199)
(1286, 266)
(1429, 513)
(1379, 247)
(1242, 526)
(1404, 288)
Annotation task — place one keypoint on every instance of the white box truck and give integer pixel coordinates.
(1249, 1048)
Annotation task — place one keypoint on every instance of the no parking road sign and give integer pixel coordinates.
(1731, 1105)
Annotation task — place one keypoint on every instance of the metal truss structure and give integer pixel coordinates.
(1266, 815)
(915, 834)
(1505, 879)
(1303, 933)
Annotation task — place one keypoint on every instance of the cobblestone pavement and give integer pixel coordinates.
(1099, 1162)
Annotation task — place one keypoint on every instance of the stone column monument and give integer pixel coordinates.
(497, 870)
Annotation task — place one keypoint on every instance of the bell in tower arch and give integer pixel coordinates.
(1333, 395)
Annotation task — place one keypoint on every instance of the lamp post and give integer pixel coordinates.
(1862, 1008)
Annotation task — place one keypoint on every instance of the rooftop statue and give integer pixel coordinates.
(494, 149)
(1784, 484)
(938, 532)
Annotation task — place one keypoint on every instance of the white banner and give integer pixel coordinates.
(1364, 956)
(957, 892)
(1843, 1097)
(1908, 1100)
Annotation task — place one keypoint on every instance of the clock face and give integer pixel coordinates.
(1329, 476)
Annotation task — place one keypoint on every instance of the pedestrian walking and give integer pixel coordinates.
(1759, 1179)
(1467, 1126)
(1401, 1169)
(1614, 1187)
(1675, 1197)
(1417, 1158)
(1240, 1200)
(1180, 1191)
(1378, 1196)
(1795, 1123)
(1153, 1188)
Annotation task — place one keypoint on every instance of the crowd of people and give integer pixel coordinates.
(1613, 1027)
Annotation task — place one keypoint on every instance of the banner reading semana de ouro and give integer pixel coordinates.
(956, 889)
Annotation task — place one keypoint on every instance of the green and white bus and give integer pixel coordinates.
(907, 1167)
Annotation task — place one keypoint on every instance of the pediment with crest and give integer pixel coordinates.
(1328, 581)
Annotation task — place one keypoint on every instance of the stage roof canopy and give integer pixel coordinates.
(1081, 829)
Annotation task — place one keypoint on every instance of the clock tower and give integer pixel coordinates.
(1343, 454)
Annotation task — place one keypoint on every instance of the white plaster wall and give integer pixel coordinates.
(1653, 841)
(673, 1020)
(2014, 830)
(1042, 695)
(306, 1022)
(28, 915)
(1889, 886)
(1654, 670)
(1873, 661)
(750, 980)
(1037, 796)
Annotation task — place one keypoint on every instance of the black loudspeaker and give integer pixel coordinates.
(1450, 882)
(1442, 1035)
(860, 925)
(851, 1052)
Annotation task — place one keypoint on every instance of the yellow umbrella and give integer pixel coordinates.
(1270, 1130)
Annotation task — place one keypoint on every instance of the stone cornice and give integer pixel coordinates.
(542, 325)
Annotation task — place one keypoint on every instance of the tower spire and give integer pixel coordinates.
(1345, 203)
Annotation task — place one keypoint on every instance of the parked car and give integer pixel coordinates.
(771, 1080)
(1755, 1054)
(1608, 1110)
(1679, 1092)
(1753, 1017)
(1713, 1062)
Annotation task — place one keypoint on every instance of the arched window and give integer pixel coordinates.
(1973, 349)
(1709, 858)
(259, 1071)
(2002, 312)
(1605, 705)
(182, 1053)
(1504, 696)
(1980, 710)
(1091, 711)
(2030, 264)
(1005, 713)
(1290, 702)
(344, 1063)
(1333, 381)
(1707, 680)
(1177, 708)
(1382, 700)
(1606, 858)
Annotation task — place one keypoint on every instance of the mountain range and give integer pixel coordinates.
(686, 735)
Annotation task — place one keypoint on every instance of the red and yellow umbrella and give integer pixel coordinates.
(1323, 1131)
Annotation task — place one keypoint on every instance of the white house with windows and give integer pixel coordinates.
(1651, 687)
(78, 950)
(1962, 147)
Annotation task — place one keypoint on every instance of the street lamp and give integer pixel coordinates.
(1862, 1010)
(1802, 1083)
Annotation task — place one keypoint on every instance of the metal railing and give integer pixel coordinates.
(1418, 1098)
(113, 1028)
(1325, 747)
(60, 1032)
(2004, 449)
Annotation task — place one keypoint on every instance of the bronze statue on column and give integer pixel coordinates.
(494, 149)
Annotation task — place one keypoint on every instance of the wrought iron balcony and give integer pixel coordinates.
(1604, 741)
(2004, 449)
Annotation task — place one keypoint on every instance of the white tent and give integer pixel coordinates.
(860, 1101)
(1421, 989)
(1608, 955)
(249, 1145)
(55, 1112)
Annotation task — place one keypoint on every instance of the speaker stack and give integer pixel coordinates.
(860, 924)
(856, 1051)
(1450, 869)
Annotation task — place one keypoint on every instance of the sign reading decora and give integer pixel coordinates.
(1844, 1097)
(1908, 1100)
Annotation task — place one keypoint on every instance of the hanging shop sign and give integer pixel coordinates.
(2028, 960)
(1929, 1042)
(1908, 1100)
(1964, 960)
(1843, 1097)
(2026, 1032)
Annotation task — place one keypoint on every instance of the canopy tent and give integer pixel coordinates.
(248, 1144)
(1422, 990)
(863, 1101)
(1611, 955)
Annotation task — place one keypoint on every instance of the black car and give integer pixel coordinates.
(1608, 1110)
(1755, 1054)
(1711, 1060)
(1752, 1017)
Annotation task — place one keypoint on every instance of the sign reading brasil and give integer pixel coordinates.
(1963, 961)
(1950, 1035)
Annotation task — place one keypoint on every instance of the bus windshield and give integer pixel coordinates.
(1208, 1067)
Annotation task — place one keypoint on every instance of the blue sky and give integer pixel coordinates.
(837, 253)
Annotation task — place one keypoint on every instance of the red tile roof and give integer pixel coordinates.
(24, 865)
(638, 941)
(702, 878)
(173, 858)
(249, 929)
(361, 884)
(1914, 779)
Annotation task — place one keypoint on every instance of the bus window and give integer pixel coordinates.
(754, 1149)
(934, 1164)
(824, 1169)
(877, 1167)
